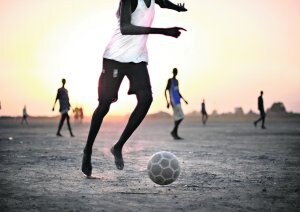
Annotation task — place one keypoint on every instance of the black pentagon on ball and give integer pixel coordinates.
(159, 180)
(156, 169)
(167, 173)
(164, 163)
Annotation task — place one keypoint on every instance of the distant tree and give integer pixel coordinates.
(277, 107)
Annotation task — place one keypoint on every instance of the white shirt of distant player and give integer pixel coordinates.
(132, 48)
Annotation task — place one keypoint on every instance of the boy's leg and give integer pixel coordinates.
(61, 122)
(174, 132)
(69, 125)
(108, 86)
(258, 120)
(178, 117)
(96, 122)
(263, 116)
(144, 100)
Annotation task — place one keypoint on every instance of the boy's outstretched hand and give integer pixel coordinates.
(173, 31)
(181, 7)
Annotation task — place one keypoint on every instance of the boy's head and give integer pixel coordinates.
(175, 71)
(63, 81)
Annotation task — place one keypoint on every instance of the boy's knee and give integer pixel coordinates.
(145, 97)
(104, 106)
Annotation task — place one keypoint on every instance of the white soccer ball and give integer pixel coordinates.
(163, 168)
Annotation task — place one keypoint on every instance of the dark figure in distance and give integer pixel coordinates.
(261, 111)
(25, 115)
(64, 107)
(175, 97)
(126, 55)
(204, 113)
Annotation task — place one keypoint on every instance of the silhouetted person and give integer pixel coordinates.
(126, 55)
(204, 113)
(81, 114)
(25, 115)
(64, 107)
(76, 113)
(261, 111)
(175, 97)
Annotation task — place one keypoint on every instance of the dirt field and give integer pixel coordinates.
(226, 166)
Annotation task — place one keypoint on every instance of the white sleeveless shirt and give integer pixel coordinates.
(132, 48)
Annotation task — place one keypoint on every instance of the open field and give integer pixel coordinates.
(226, 166)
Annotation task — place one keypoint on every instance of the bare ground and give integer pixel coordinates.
(226, 166)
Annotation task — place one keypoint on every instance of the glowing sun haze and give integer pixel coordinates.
(232, 49)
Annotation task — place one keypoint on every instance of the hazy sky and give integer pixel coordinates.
(232, 49)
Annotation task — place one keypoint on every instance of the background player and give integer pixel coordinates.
(175, 97)
(64, 107)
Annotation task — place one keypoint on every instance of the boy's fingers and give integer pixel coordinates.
(180, 28)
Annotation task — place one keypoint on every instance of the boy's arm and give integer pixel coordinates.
(169, 5)
(57, 97)
(183, 98)
(127, 28)
(166, 91)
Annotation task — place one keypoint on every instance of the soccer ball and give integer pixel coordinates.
(163, 168)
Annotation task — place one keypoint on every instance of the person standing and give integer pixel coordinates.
(261, 111)
(204, 113)
(64, 107)
(175, 97)
(25, 115)
(126, 55)
(81, 114)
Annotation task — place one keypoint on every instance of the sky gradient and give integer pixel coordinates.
(232, 49)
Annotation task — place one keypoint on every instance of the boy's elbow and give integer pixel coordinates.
(125, 29)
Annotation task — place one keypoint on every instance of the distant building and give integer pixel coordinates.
(251, 113)
(214, 113)
(159, 114)
(238, 111)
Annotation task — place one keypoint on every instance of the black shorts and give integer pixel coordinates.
(112, 75)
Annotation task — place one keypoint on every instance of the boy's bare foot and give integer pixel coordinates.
(86, 166)
(118, 158)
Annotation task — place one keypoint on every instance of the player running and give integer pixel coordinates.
(126, 55)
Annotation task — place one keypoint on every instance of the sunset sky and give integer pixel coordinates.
(232, 49)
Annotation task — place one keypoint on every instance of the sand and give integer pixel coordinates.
(226, 166)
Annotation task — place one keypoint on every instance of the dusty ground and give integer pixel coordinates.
(226, 166)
